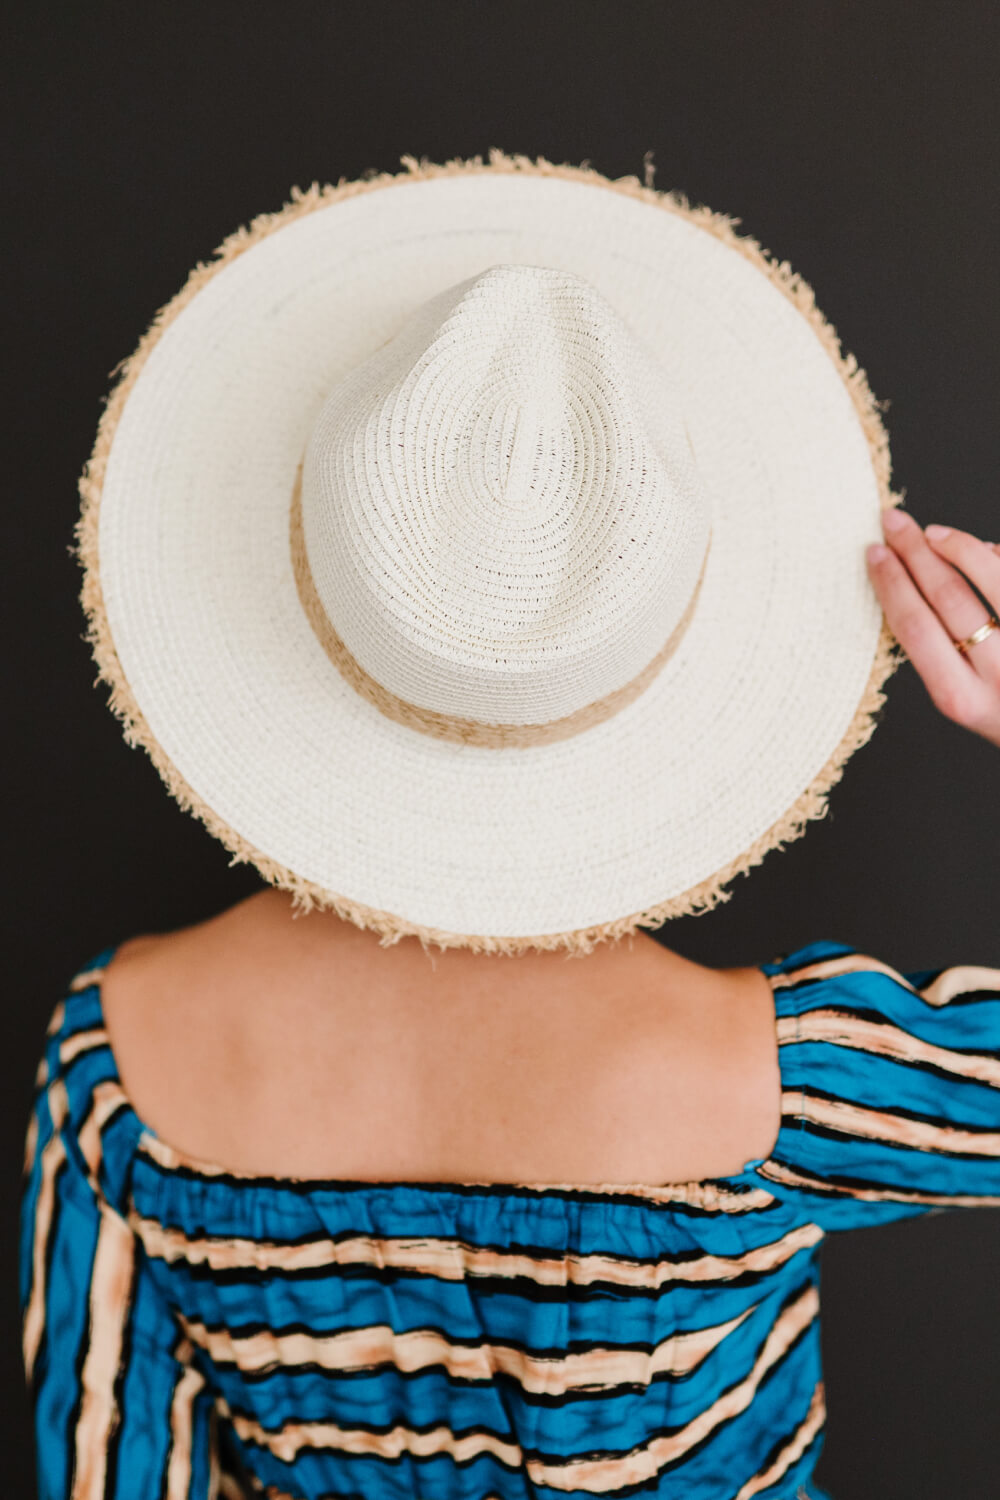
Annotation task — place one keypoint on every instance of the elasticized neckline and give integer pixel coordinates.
(703, 1190)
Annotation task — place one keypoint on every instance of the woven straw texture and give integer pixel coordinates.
(194, 592)
(501, 515)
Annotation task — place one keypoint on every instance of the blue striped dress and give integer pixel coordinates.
(194, 1332)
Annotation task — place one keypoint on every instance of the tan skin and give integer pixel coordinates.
(300, 1047)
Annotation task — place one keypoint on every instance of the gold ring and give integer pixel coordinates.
(978, 635)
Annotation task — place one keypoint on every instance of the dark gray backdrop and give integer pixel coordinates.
(857, 140)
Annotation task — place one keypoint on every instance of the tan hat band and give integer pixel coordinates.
(413, 834)
(449, 726)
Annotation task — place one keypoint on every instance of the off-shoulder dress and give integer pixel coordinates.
(192, 1332)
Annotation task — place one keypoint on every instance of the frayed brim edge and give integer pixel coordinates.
(307, 896)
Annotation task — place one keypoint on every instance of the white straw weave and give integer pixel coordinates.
(501, 511)
(529, 408)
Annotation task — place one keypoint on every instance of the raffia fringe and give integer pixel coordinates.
(307, 896)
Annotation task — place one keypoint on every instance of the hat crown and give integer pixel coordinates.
(501, 511)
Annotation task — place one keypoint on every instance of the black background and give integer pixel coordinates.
(856, 140)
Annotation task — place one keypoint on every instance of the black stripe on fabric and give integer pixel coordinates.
(778, 1368)
(233, 1465)
(926, 978)
(257, 1327)
(73, 1414)
(486, 1286)
(111, 1487)
(389, 1462)
(918, 1065)
(542, 1253)
(180, 1372)
(839, 1183)
(780, 1445)
(923, 979)
(971, 1158)
(886, 1024)
(316, 1187)
(87, 1055)
(820, 982)
(528, 1455)
(41, 1353)
(811, 1449)
(199, 1231)
(75, 1024)
(871, 1014)
(121, 1110)
(845, 1010)
(964, 997)
(497, 1380)
(802, 1337)
(882, 1019)
(80, 1122)
(539, 1253)
(536, 1455)
(897, 1112)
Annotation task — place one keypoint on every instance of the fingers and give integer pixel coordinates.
(948, 677)
(934, 565)
(978, 560)
(954, 684)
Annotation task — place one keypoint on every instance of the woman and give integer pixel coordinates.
(444, 545)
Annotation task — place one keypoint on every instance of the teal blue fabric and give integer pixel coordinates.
(193, 1332)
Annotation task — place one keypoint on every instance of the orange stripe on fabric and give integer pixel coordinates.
(893, 1129)
(791, 1177)
(53, 1156)
(793, 1450)
(110, 1304)
(452, 1260)
(962, 979)
(422, 1349)
(882, 1039)
(178, 1485)
(596, 1476)
(835, 968)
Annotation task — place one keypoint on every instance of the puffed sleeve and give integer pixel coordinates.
(890, 1087)
(120, 1410)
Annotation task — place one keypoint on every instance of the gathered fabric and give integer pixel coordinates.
(195, 1332)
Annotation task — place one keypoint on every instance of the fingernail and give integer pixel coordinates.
(893, 519)
(876, 553)
(937, 533)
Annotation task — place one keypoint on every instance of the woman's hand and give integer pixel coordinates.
(921, 581)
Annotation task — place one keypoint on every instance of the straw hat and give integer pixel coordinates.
(479, 552)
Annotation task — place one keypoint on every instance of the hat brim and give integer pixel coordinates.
(197, 626)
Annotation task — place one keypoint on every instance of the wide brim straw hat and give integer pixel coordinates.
(478, 551)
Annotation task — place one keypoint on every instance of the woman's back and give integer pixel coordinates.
(304, 1048)
(465, 614)
(195, 1329)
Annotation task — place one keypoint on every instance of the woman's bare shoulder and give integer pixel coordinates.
(187, 1014)
(304, 1048)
